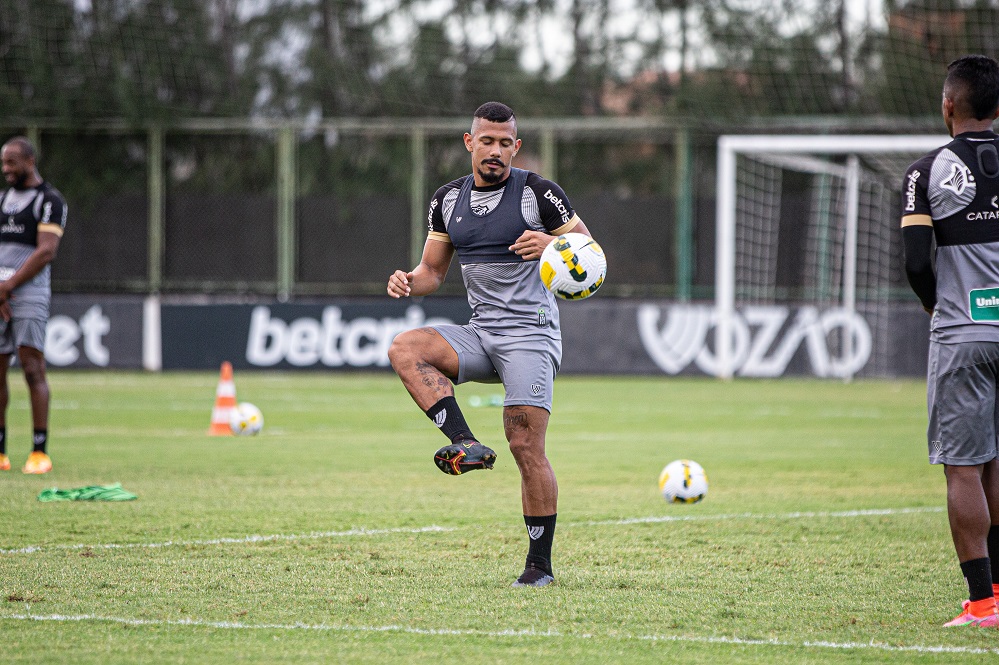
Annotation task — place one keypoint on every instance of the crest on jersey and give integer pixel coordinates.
(952, 186)
(960, 178)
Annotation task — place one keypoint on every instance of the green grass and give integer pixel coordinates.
(341, 488)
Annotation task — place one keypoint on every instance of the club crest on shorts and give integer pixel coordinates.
(536, 389)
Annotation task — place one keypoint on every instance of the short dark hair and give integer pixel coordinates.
(26, 147)
(495, 112)
(973, 83)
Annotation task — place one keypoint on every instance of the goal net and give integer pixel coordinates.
(808, 251)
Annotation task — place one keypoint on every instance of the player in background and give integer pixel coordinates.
(33, 220)
(498, 220)
(951, 196)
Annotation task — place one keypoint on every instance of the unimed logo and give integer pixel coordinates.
(764, 339)
(329, 340)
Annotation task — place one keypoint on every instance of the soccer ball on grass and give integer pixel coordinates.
(683, 481)
(245, 419)
(573, 266)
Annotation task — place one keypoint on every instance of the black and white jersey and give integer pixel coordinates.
(955, 189)
(25, 213)
(505, 291)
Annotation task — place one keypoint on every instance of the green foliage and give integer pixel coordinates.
(310, 542)
(163, 59)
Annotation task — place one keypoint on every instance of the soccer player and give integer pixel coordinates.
(498, 220)
(34, 217)
(952, 195)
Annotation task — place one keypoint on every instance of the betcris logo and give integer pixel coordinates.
(910, 191)
(430, 215)
(557, 202)
(63, 332)
(329, 340)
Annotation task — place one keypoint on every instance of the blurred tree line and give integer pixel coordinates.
(140, 60)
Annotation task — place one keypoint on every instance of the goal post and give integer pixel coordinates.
(806, 221)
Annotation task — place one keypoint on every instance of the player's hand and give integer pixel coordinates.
(530, 245)
(6, 293)
(400, 284)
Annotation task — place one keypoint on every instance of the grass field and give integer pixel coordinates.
(331, 537)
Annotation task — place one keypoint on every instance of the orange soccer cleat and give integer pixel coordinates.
(38, 463)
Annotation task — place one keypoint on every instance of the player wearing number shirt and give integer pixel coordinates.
(951, 196)
(498, 220)
(33, 220)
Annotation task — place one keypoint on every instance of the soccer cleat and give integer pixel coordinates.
(466, 455)
(966, 618)
(38, 463)
(533, 576)
(4, 462)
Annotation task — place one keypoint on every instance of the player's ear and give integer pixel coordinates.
(468, 141)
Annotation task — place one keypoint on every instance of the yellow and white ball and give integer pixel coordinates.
(245, 419)
(573, 266)
(683, 481)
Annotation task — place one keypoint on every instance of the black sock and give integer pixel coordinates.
(447, 416)
(3, 440)
(40, 440)
(993, 542)
(541, 531)
(978, 575)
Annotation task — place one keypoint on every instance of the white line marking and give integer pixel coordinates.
(30, 549)
(235, 625)
(762, 516)
(228, 541)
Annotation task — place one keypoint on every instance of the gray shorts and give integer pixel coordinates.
(963, 402)
(526, 366)
(21, 332)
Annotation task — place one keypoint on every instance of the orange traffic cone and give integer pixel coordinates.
(225, 402)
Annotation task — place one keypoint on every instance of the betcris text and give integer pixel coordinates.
(329, 340)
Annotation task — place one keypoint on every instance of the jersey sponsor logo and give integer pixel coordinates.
(11, 227)
(960, 179)
(910, 191)
(542, 317)
(46, 213)
(983, 304)
(982, 216)
(765, 339)
(535, 532)
(557, 202)
(6, 273)
(430, 217)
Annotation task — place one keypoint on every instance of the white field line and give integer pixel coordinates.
(315, 535)
(738, 641)
(319, 535)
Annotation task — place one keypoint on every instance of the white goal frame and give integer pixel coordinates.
(730, 146)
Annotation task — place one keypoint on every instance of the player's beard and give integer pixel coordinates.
(493, 177)
(18, 180)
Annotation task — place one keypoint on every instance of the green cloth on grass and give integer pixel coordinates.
(89, 493)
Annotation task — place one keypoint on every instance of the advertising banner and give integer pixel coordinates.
(94, 331)
(347, 334)
(600, 336)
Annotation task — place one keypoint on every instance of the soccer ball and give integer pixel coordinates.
(245, 419)
(573, 266)
(683, 481)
